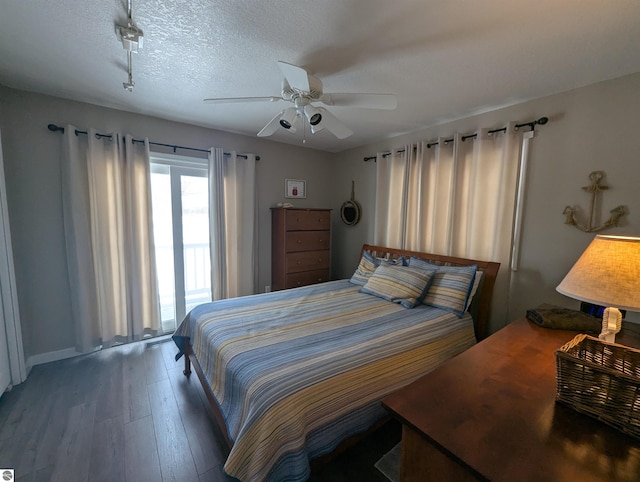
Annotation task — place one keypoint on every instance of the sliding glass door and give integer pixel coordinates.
(180, 199)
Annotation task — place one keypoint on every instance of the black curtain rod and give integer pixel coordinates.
(54, 128)
(542, 121)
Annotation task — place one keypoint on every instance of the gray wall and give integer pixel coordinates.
(591, 128)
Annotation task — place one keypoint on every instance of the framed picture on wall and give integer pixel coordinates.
(295, 189)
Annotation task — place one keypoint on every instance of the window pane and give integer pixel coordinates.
(195, 233)
(181, 229)
(163, 239)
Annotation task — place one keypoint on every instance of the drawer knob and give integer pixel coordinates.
(298, 261)
(298, 219)
(299, 241)
(319, 260)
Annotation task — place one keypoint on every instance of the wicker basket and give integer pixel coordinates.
(602, 380)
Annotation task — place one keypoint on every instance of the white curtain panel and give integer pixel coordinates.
(108, 230)
(490, 165)
(391, 196)
(217, 228)
(232, 224)
(456, 198)
(430, 206)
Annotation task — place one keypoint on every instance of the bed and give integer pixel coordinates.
(296, 374)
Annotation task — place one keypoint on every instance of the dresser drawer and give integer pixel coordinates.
(307, 261)
(307, 278)
(306, 240)
(299, 220)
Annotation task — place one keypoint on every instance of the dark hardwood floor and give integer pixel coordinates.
(129, 414)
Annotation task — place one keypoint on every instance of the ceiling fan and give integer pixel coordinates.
(303, 89)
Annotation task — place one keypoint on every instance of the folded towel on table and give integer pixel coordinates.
(550, 316)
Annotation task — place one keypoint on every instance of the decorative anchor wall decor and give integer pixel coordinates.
(595, 188)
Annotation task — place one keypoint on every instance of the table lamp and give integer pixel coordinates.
(607, 274)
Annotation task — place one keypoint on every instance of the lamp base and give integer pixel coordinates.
(611, 324)
(608, 337)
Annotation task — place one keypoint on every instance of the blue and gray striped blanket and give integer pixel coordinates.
(295, 372)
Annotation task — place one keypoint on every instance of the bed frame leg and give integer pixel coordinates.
(187, 365)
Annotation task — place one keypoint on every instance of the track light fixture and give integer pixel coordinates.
(132, 39)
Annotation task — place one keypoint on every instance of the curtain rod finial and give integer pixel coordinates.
(55, 128)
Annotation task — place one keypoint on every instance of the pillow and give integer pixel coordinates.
(399, 284)
(474, 288)
(451, 285)
(368, 264)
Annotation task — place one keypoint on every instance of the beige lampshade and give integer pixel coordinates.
(607, 273)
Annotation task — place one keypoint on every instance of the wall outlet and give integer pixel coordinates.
(267, 289)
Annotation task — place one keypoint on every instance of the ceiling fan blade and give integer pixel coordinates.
(271, 127)
(233, 100)
(300, 79)
(365, 101)
(333, 125)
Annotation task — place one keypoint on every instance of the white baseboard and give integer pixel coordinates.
(51, 356)
(71, 352)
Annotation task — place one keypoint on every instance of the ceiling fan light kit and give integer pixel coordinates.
(288, 118)
(303, 89)
(316, 128)
(313, 114)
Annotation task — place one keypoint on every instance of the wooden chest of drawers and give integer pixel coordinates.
(300, 247)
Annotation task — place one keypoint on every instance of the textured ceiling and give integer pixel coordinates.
(444, 59)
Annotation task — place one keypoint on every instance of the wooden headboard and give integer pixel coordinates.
(481, 305)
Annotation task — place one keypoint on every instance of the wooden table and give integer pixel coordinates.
(490, 414)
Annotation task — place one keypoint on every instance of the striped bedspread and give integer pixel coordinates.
(295, 372)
